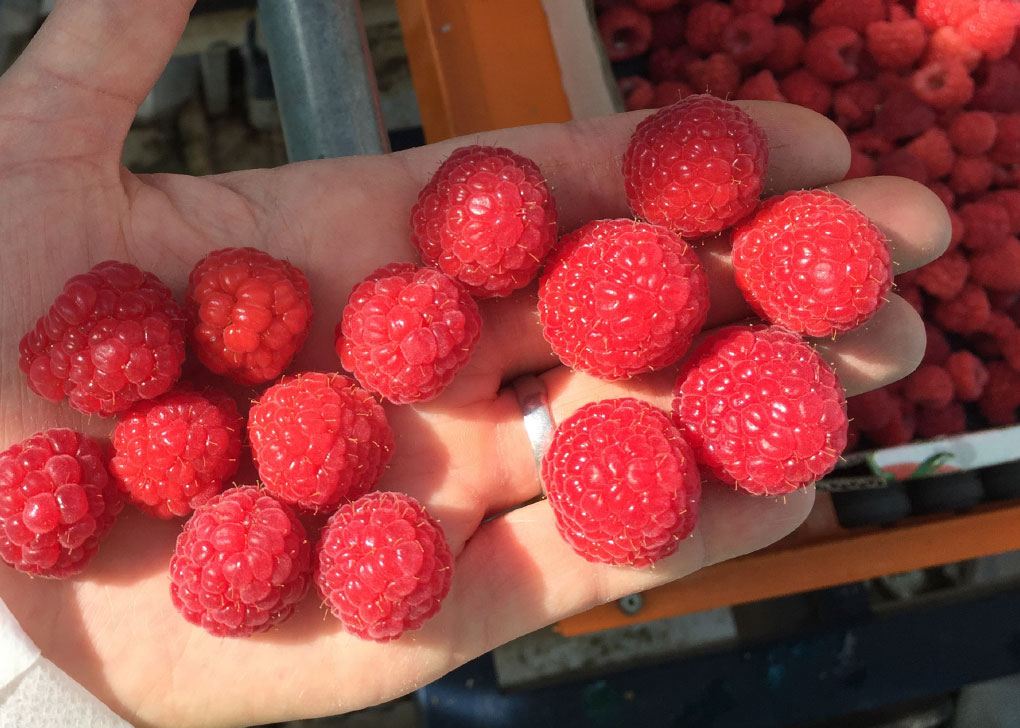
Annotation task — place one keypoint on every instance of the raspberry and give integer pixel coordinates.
(899, 429)
(1001, 397)
(997, 269)
(241, 564)
(668, 28)
(666, 64)
(831, 54)
(705, 25)
(406, 332)
(937, 13)
(626, 32)
(936, 350)
(870, 142)
(718, 75)
(946, 44)
(1003, 300)
(992, 29)
(986, 223)
(173, 453)
(929, 385)
(971, 175)
(1010, 202)
(972, 132)
(895, 44)
(788, 51)
(945, 276)
(57, 502)
(696, 167)
(969, 375)
(250, 313)
(965, 314)
(999, 90)
(1006, 149)
(486, 218)
(319, 439)
(620, 297)
(114, 336)
(383, 566)
(812, 262)
(1010, 349)
(903, 116)
(912, 295)
(933, 148)
(872, 410)
(761, 409)
(943, 84)
(855, 14)
(769, 7)
(942, 191)
(804, 89)
(749, 38)
(938, 421)
(762, 86)
(903, 163)
(622, 483)
(637, 93)
(669, 92)
(861, 165)
(854, 103)
(998, 325)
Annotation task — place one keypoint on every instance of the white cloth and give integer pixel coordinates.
(35, 693)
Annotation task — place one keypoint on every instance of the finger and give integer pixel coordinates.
(89, 67)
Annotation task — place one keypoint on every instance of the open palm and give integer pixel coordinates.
(66, 204)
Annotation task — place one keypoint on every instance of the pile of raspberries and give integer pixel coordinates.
(754, 405)
(928, 90)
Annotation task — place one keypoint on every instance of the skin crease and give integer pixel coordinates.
(66, 204)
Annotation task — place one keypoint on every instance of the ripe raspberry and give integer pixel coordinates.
(871, 143)
(622, 483)
(250, 313)
(486, 218)
(971, 175)
(668, 28)
(854, 103)
(319, 439)
(986, 223)
(855, 14)
(620, 298)
(999, 89)
(929, 385)
(749, 38)
(718, 75)
(771, 8)
(900, 428)
(972, 132)
(912, 295)
(937, 348)
(997, 269)
(1010, 201)
(637, 93)
(669, 92)
(946, 44)
(861, 165)
(1006, 149)
(992, 29)
(57, 502)
(945, 276)
(831, 54)
(173, 453)
(705, 25)
(895, 44)
(762, 87)
(761, 409)
(667, 64)
(383, 566)
(1001, 397)
(933, 148)
(241, 564)
(406, 332)
(1010, 349)
(804, 89)
(937, 13)
(943, 84)
(788, 51)
(946, 195)
(626, 32)
(872, 410)
(696, 167)
(935, 422)
(903, 163)
(903, 116)
(114, 336)
(969, 375)
(812, 262)
(965, 314)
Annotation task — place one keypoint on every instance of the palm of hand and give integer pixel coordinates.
(65, 204)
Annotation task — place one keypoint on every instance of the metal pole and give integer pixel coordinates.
(322, 72)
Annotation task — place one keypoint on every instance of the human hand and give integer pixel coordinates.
(66, 204)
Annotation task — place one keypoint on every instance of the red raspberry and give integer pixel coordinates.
(173, 453)
(383, 566)
(804, 89)
(319, 439)
(114, 336)
(870, 142)
(929, 385)
(57, 502)
(1010, 201)
(998, 327)
(705, 25)
(946, 44)
(938, 421)
(946, 195)
(637, 93)
(933, 148)
(903, 163)
(861, 165)
(761, 409)
(1010, 349)
(999, 89)
(1004, 300)
(936, 349)
(626, 32)
(972, 132)
(486, 218)
(912, 295)
(241, 564)
(872, 410)
(250, 313)
(945, 276)
(666, 64)
(620, 298)
(965, 314)
(622, 483)
(406, 332)
(992, 29)
(971, 175)
(831, 54)
(854, 103)
(903, 116)
(1001, 397)
(762, 87)
(1007, 143)
(696, 167)
(900, 428)
(943, 84)
(855, 14)
(969, 375)
(669, 92)
(997, 269)
(986, 223)
(788, 51)
(937, 13)
(896, 44)
(769, 7)
(749, 38)
(718, 75)
(668, 28)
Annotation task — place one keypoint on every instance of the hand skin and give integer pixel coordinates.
(66, 204)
